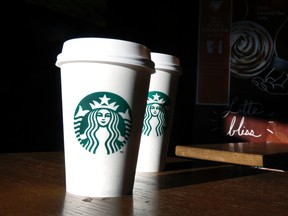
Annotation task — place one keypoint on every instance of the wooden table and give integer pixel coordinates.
(258, 154)
(34, 184)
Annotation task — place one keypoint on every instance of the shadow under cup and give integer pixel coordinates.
(104, 90)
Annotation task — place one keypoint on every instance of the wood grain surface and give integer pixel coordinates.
(262, 154)
(34, 184)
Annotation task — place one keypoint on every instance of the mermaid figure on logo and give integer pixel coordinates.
(102, 125)
(156, 115)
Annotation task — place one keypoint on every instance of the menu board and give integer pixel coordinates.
(213, 52)
(243, 67)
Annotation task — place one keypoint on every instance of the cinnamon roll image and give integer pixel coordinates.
(251, 49)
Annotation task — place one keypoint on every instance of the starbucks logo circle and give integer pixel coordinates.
(102, 118)
(157, 114)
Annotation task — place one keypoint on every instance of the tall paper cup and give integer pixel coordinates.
(159, 113)
(104, 89)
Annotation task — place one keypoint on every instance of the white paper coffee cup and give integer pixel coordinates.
(159, 113)
(104, 89)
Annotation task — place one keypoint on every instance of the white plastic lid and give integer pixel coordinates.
(166, 62)
(91, 49)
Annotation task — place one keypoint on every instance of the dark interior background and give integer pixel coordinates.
(33, 33)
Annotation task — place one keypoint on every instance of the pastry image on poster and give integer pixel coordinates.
(258, 36)
(243, 85)
(259, 71)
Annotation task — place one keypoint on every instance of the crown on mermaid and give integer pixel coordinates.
(104, 103)
(156, 99)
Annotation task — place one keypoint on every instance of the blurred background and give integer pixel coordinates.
(33, 32)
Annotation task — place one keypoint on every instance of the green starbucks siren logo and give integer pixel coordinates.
(157, 114)
(103, 118)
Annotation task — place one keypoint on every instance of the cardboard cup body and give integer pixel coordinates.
(104, 89)
(159, 113)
